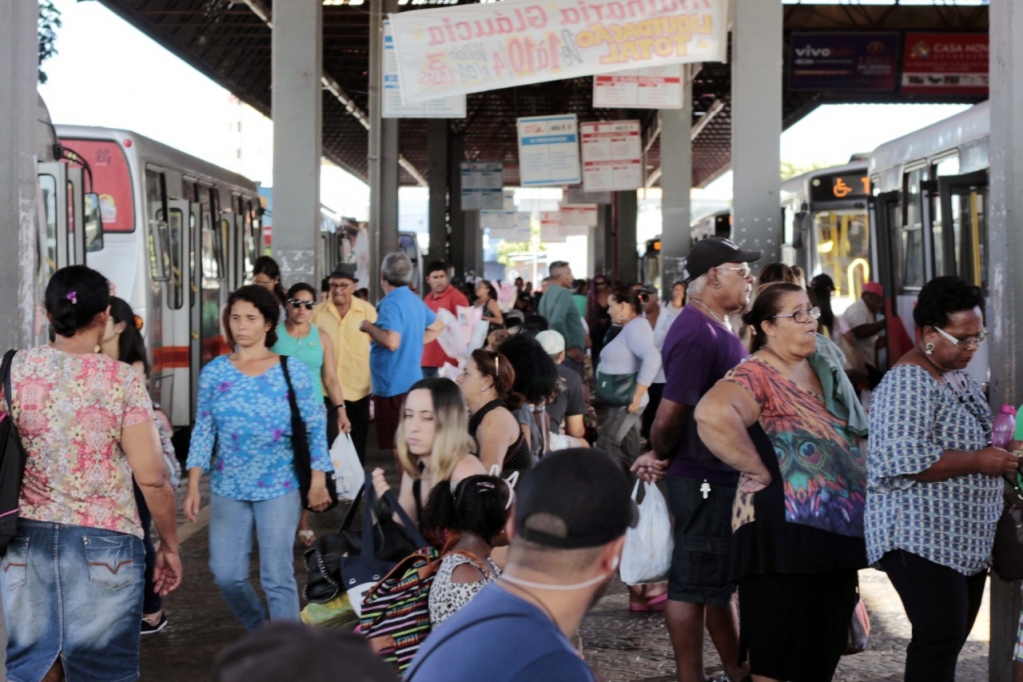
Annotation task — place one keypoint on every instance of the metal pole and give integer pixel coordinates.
(437, 153)
(676, 183)
(18, 185)
(383, 153)
(1005, 279)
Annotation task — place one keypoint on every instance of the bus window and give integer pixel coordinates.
(48, 184)
(156, 237)
(176, 294)
(111, 180)
(946, 251)
(911, 246)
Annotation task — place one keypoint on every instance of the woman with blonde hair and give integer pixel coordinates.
(432, 443)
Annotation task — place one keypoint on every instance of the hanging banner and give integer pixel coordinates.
(482, 186)
(446, 107)
(657, 87)
(843, 61)
(579, 216)
(549, 150)
(612, 156)
(512, 226)
(946, 64)
(550, 227)
(486, 46)
(576, 195)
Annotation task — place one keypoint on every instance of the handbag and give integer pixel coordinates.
(1007, 552)
(360, 572)
(616, 390)
(389, 540)
(859, 629)
(300, 444)
(12, 460)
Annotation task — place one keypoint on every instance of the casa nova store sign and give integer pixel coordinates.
(473, 48)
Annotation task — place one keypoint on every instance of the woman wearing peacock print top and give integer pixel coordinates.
(788, 420)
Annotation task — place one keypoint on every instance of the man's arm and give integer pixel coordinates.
(433, 331)
(389, 339)
(865, 331)
(667, 427)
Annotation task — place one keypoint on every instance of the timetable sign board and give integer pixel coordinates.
(549, 150)
(657, 87)
(550, 227)
(579, 215)
(482, 186)
(445, 107)
(612, 156)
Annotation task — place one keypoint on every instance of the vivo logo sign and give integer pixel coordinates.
(811, 51)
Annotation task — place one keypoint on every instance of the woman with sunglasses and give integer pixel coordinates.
(934, 481)
(791, 424)
(298, 337)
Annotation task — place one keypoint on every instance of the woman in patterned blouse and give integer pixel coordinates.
(243, 409)
(934, 491)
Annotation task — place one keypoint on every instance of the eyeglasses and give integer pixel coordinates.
(968, 343)
(266, 284)
(804, 316)
(340, 285)
(298, 303)
(744, 270)
(599, 283)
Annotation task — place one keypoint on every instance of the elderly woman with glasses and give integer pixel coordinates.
(934, 481)
(789, 421)
(297, 336)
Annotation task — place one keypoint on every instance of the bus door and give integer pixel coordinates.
(178, 316)
(886, 237)
(210, 252)
(75, 216)
(195, 272)
(58, 202)
(964, 202)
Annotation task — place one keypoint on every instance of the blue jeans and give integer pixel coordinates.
(275, 522)
(76, 593)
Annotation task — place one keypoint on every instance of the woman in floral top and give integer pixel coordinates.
(934, 488)
(243, 409)
(72, 576)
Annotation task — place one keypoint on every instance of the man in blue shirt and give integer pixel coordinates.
(404, 324)
(571, 513)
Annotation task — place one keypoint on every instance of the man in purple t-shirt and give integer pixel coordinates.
(700, 349)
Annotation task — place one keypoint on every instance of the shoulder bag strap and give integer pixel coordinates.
(292, 398)
(5, 373)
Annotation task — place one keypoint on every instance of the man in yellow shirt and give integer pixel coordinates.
(341, 317)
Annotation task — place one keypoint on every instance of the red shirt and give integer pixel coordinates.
(433, 354)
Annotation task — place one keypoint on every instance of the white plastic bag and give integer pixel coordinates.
(348, 473)
(646, 556)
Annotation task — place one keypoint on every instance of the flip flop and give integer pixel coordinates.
(658, 603)
(307, 537)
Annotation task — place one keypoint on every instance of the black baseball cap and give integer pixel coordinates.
(582, 487)
(344, 271)
(714, 251)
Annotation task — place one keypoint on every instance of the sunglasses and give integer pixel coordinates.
(296, 304)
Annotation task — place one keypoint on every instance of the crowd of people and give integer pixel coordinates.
(742, 396)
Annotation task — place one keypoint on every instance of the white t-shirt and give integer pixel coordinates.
(859, 314)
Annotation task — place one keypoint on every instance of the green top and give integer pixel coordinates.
(580, 304)
(307, 349)
(558, 307)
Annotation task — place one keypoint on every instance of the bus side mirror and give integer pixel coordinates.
(93, 224)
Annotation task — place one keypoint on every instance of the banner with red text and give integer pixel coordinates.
(456, 50)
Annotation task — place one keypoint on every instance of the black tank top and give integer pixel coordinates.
(517, 457)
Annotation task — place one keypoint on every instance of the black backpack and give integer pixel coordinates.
(12, 461)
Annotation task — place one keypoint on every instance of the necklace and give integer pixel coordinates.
(961, 389)
(722, 321)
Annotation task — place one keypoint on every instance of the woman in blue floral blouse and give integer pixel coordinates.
(934, 489)
(243, 409)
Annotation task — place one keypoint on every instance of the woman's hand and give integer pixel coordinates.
(750, 483)
(166, 571)
(380, 483)
(319, 498)
(648, 468)
(344, 425)
(191, 505)
(996, 461)
(634, 406)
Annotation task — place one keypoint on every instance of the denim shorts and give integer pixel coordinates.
(76, 593)
(701, 562)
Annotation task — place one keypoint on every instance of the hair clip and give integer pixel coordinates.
(510, 482)
(73, 297)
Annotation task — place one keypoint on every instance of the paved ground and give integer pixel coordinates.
(621, 645)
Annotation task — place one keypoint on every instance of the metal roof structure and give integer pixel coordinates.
(230, 42)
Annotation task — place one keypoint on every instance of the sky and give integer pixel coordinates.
(107, 73)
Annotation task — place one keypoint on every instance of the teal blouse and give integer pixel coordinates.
(307, 349)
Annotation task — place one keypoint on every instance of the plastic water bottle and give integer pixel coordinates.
(1004, 428)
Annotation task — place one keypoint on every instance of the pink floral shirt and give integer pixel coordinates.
(69, 410)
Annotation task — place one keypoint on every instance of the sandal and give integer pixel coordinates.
(308, 537)
(657, 603)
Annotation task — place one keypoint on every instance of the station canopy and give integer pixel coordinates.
(230, 42)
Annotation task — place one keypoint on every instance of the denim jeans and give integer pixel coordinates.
(73, 592)
(275, 522)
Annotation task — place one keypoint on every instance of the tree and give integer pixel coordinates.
(791, 170)
(507, 250)
(49, 22)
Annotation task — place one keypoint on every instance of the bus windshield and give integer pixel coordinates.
(111, 181)
(842, 240)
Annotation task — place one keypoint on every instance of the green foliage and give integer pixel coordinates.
(506, 251)
(791, 170)
(49, 22)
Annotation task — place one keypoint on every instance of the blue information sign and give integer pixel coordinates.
(843, 61)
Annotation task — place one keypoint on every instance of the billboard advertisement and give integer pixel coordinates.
(843, 61)
(946, 64)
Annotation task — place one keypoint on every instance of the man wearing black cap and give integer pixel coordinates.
(341, 317)
(700, 348)
(571, 514)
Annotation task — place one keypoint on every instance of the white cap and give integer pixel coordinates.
(553, 342)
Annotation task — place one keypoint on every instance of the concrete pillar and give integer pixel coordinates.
(626, 215)
(297, 110)
(676, 183)
(1005, 277)
(472, 235)
(383, 153)
(18, 185)
(756, 126)
(600, 241)
(456, 217)
(437, 153)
